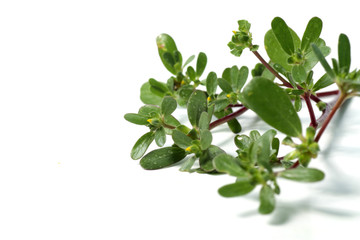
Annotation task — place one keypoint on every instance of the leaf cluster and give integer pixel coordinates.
(212, 100)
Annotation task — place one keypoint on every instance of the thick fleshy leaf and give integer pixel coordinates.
(267, 200)
(310, 57)
(225, 85)
(187, 165)
(283, 35)
(196, 105)
(189, 60)
(204, 121)
(242, 77)
(205, 139)
(158, 88)
(221, 104)
(181, 139)
(147, 96)
(184, 93)
(201, 64)
(323, 61)
(234, 125)
(273, 105)
(275, 51)
(142, 145)
(303, 174)
(299, 74)
(237, 189)
(262, 149)
(149, 110)
(167, 48)
(323, 82)
(206, 159)
(160, 137)
(136, 118)
(211, 83)
(227, 164)
(312, 33)
(162, 157)
(171, 121)
(168, 105)
(344, 53)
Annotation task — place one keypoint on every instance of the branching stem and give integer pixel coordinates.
(227, 118)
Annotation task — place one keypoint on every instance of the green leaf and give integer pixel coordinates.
(303, 174)
(211, 83)
(136, 118)
(242, 142)
(207, 156)
(227, 164)
(323, 82)
(310, 57)
(267, 200)
(205, 139)
(147, 97)
(168, 105)
(204, 121)
(191, 73)
(142, 145)
(299, 74)
(181, 139)
(323, 61)
(201, 64)
(242, 77)
(275, 52)
(312, 33)
(225, 85)
(234, 125)
(160, 137)
(196, 105)
(186, 167)
(184, 94)
(297, 103)
(171, 121)
(273, 105)
(344, 53)
(158, 88)
(162, 157)
(149, 110)
(283, 35)
(167, 48)
(221, 104)
(189, 60)
(262, 149)
(237, 189)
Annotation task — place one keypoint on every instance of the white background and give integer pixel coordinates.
(70, 70)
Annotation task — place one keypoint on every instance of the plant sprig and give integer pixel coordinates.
(276, 93)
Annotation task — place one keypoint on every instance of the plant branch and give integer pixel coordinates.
(227, 118)
(311, 110)
(337, 105)
(283, 80)
(329, 93)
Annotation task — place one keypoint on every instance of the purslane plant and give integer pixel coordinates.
(276, 92)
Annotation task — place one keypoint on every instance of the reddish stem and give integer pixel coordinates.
(286, 83)
(337, 105)
(311, 110)
(227, 118)
(329, 93)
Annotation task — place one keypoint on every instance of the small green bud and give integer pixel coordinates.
(310, 134)
(314, 148)
(292, 155)
(321, 105)
(304, 159)
(288, 141)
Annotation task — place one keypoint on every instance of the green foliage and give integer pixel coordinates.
(217, 99)
(273, 105)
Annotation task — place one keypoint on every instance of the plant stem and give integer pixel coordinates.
(311, 110)
(227, 118)
(329, 93)
(337, 105)
(286, 83)
(283, 80)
